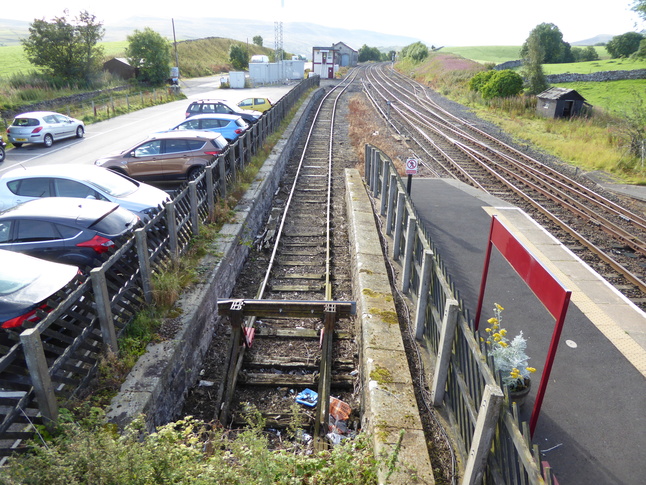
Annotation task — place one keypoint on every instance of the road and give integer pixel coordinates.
(120, 133)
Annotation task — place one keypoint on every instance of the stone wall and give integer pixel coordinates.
(600, 76)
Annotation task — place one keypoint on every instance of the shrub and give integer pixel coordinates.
(480, 79)
(502, 84)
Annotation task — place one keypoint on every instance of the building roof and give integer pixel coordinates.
(560, 93)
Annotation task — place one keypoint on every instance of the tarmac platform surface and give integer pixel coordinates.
(592, 426)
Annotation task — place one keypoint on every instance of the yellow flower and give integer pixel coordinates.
(530, 369)
(499, 307)
(487, 330)
(481, 339)
(497, 334)
(492, 320)
(503, 344)
(503, 332)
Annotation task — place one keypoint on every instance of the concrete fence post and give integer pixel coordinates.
(447, 334)
(173, 239)
(222, 165)
(141, 243)
(392, 191)
(411, 229)
(192, 196)
(423, 293)
(399, 225)
(39, 374)
(383, 192)
(234, 166)
(483, 434)
(104, 311)
(210, 194)
(374, 176)
(367, 156)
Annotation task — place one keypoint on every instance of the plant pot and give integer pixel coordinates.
(519, 395)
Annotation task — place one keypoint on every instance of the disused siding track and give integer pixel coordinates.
(603, 233)
(304, 236)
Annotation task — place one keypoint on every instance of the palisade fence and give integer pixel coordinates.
(52, 362)
(495, 444)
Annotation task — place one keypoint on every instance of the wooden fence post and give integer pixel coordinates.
(39, 373)
(483, 434)
(141, 242)
(104, 312)
(423, 293)
(411, 229)
(447, 334)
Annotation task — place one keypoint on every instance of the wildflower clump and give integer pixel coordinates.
(509, 357)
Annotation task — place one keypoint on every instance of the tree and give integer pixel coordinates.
(641, 52)
(238, 57)
(416, 51)
(480, 79)
(369, 54)
(64, 49)
(535, 81)
(257, 39)
(639, 6)
(502, 84)
(550, 38)
(624, 45)
(150, 53)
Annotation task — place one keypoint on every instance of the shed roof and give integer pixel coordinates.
(560, 93)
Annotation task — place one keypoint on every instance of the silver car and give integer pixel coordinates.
(43, 127)
(80, 181)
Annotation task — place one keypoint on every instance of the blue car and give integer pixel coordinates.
(229, 126)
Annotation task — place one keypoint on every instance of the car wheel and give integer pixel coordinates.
(193, 173)
(2, 154)
(80, 132)
(17, 145)
(48, 140)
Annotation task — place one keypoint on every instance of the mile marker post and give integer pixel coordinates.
(411, 169)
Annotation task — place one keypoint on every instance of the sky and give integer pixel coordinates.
(438, 23)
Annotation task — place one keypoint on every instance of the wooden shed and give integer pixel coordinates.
(559, 103)
(119, 66)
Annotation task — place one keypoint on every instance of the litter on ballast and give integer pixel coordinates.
(307, 397)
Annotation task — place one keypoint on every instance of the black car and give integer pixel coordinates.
(2, 152)
(64, 229)
(206, 106)
(25, 285)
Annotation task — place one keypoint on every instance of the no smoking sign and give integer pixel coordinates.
(411, 166)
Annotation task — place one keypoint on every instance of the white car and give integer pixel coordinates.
(43, 127)
(82, 181)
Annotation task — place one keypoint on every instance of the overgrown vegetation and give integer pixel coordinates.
(187, 451)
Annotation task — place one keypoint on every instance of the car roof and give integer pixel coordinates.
(61, 209)
(214, 116)
(37, 113)
(186, 134)
(74, 171)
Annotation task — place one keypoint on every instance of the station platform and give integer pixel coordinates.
(592, 426)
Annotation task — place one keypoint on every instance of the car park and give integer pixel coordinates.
(82, 181)
(64, 229)
(170, 155)
(26, 283)
(43, 127)
(204, 106)
(229, 126)
(257, 104)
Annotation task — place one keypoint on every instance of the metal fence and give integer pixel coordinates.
(52, 362)
(495, 444)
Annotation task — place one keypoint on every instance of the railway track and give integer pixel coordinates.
(602, 232)
(290, 325)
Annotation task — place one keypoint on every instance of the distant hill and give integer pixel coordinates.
(594, 40)
(298, 37)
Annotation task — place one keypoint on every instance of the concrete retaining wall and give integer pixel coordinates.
(158, 383)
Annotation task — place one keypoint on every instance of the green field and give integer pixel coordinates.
(595, 66)
(483, 54)
(612, 96)
(12, 58)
